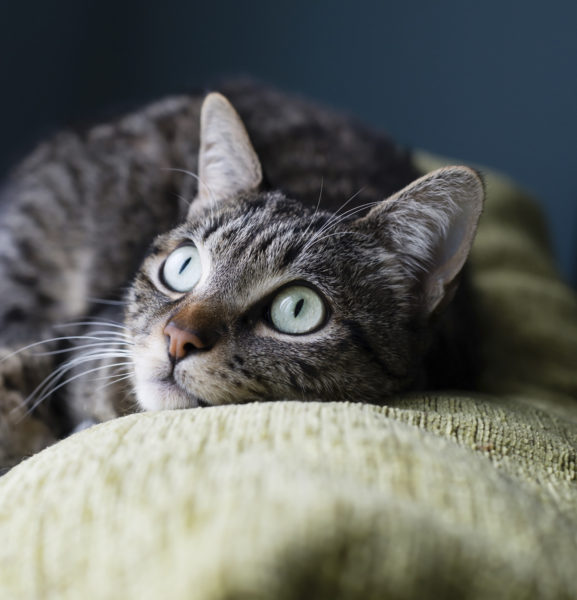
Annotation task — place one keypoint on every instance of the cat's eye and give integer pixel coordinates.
(297, 309)
(181, 271)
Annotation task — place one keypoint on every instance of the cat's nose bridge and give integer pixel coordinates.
(193, 328)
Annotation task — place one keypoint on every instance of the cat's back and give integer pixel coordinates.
(305, 148)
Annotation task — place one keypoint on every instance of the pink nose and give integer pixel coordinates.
(182, 342)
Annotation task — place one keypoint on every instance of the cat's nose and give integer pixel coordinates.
(182, 342)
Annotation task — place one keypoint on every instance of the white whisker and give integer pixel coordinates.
(337, 215)
(61, 339)
(337, 220)
(90, 321)
(342, 206)
(115, 330)
(201, 182)
(103, 344)
(106, 302)
(53, 377)
(316, 208)
(184, 200)
(45, 395)
(112, 379)
(335, 233)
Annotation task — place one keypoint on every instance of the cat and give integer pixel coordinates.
(267, 248)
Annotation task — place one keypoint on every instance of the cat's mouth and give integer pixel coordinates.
(192, 401)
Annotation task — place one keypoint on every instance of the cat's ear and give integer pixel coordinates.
(227, 162)
(431, 225)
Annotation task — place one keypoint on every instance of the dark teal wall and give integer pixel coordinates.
(492, 82)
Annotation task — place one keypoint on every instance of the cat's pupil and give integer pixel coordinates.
(184, 265)
(298, 307)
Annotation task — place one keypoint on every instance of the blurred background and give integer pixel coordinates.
(490, 82)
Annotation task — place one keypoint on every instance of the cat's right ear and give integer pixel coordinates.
(430, 226)
(227, 162)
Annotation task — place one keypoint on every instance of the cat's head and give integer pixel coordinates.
(256, 297)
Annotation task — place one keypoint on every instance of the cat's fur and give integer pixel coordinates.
(77, 216)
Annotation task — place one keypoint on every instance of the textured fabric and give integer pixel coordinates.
(440, 498)
(430, 497)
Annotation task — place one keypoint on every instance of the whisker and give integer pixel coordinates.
(357, 209)
(129, 400)
(338, 216)
(111, 380)
(334, 222)
(184, 200)
(112, 335)
(107, 302)
(200, 181)
(335, 233)
(115, 329)
(67, 366)
(45, 395)
(67, 381)
(316, 208)
(58, 339)
(342, 206)
(103, 344)
(94, 321)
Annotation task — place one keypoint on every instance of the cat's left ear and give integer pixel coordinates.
(227, 162)
(430, 225)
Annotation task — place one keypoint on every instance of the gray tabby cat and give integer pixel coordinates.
(288, 277)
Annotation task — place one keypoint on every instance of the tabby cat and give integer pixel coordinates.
(276, 266)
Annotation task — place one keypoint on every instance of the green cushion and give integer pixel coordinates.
(433, 496)
(529, 315)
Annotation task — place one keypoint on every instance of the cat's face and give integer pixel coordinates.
(283, 306)
(256, 297)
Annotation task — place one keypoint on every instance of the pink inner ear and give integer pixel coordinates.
(227, 161)
(453, 250)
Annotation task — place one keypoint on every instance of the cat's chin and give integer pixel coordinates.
(166, 395)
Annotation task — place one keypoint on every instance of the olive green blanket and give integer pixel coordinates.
(433, 496)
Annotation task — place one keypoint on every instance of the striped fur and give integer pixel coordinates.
(88, 212)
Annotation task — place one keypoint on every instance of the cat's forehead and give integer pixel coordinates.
(253, 209)
(263, 228)
(259, 236)
(257, 243)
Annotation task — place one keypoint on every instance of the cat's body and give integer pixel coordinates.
(77, 216)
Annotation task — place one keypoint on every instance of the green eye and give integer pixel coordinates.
(181, 270)
(297, 309)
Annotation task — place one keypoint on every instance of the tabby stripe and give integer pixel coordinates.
(359, 339)
(306, 368)
(35, 216)
(211, 229)
(289, 256)
(265, 244)
(231, 232)
(152, 251)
